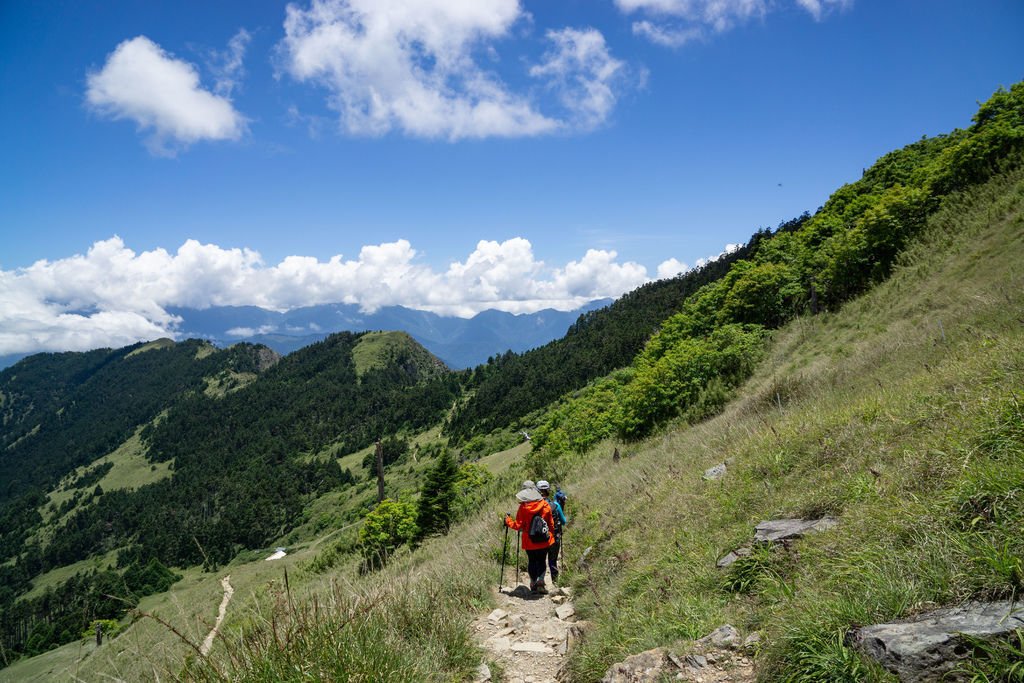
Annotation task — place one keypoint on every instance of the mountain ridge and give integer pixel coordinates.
(459, 342)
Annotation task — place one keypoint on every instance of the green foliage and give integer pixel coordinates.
(436, 509)
(471, 485)
(386, 528)
(670, 378)
(994, 661)
(111, 628)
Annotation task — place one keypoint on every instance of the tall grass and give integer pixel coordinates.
(900, 414)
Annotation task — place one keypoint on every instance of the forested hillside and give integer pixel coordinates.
(243, 461)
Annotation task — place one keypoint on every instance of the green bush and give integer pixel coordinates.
(387, 527)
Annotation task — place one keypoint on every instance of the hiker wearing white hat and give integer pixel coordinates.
(533, 519)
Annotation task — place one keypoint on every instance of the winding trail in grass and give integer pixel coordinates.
(525, 635)
(225, 583)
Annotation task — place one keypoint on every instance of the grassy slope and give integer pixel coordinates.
(918, 381)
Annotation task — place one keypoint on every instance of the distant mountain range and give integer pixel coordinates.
(459, 342)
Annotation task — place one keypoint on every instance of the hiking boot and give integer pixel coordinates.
(541, 588)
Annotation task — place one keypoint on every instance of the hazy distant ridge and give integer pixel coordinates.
(459, 342)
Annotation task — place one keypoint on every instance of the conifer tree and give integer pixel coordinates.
(436, 508)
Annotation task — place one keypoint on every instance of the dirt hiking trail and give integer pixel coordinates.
(527, 635)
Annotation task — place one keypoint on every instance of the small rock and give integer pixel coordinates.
(582, 562)
(696, 661)
(517, 621)
(752, 642)
(483, 673)
(558, 599)
(496, 616)
(716, 472)
(725, 636)
(531, 646)
(646, 667)
(711, 656)
(565, 590)
(565, 612)
(733, 556)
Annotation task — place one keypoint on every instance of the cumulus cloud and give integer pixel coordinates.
(584, 74)
(141, 82)
(113, 296)
(671, 268)
(416, 68)
(673, 23)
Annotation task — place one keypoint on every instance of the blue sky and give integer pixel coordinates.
(449, 155)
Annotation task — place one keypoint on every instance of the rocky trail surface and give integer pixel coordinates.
(527, 635)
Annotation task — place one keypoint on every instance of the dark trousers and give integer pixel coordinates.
(553, 556)
(535, 566)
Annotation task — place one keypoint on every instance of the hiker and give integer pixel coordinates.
(534, 520)
(559, 517)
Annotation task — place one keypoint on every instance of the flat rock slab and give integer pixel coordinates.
(931, 645)
(496, 616)
(777, 530)
(565, 612)
(531, 646)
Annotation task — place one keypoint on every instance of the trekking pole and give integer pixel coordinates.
(519, 536)
(504, 548)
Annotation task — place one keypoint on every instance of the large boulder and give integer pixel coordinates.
(931, 645)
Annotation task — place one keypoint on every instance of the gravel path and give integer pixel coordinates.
(527, 635)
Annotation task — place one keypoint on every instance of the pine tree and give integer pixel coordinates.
(436, 509)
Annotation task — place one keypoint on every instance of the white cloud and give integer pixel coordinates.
(817, 8)
(719, 15)
(162, 95)
(667, 36)
(112, 296)
(584, 74)
(227, 66)
(671, 268)
(677, 22)
(250, 331)
(416, 68)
